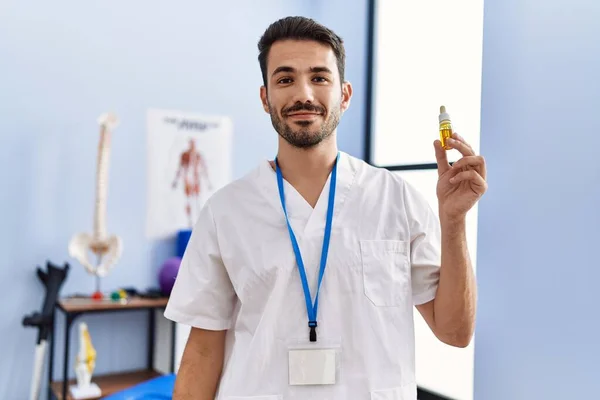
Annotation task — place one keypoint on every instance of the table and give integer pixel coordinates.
(76, 306)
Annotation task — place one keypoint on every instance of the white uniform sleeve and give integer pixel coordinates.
(425, 245)
(202, 296)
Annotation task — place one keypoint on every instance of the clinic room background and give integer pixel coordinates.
(525, 93)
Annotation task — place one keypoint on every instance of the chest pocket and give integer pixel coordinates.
(386, 271)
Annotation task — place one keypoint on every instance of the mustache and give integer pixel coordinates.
(303, 107)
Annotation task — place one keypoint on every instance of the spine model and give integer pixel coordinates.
(106, 248)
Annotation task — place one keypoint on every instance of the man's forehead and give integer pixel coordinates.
(300, 54)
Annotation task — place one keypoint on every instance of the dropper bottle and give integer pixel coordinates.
(445, 127)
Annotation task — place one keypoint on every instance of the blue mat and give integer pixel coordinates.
(160, 388)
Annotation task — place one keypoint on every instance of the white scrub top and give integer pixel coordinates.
(239, 273)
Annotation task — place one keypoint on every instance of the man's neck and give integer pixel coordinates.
(307, 169)
(306, 164)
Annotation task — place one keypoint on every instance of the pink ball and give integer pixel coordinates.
(167, 274)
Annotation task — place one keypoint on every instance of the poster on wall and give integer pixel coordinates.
(189, 158)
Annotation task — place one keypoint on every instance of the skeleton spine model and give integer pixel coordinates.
(106, 248)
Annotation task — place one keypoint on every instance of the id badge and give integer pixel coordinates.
(314, 363)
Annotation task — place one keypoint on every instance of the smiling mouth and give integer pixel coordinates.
(303, 115)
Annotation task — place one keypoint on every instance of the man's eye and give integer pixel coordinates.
(284, 80)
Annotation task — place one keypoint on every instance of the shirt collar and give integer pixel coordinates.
(296, 206)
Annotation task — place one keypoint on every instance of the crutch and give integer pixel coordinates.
(52, 278)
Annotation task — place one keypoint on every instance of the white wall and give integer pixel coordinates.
(539, 225)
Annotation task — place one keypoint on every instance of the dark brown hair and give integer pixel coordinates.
(300, 28)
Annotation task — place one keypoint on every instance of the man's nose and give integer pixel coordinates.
(304, 92)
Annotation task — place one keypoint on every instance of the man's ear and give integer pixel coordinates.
(346, 95)
(264, 100)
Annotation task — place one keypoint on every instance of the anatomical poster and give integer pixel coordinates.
(189, 158)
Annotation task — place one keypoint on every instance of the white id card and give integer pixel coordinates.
(312, 366)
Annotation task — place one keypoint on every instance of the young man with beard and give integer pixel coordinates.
(305, 289)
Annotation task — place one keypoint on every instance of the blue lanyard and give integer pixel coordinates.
(310, 309)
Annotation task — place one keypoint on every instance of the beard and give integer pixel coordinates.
(305, 134)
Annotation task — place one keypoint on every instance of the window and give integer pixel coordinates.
(424, 55)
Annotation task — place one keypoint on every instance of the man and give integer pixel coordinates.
(369, 250)
(191, 164)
